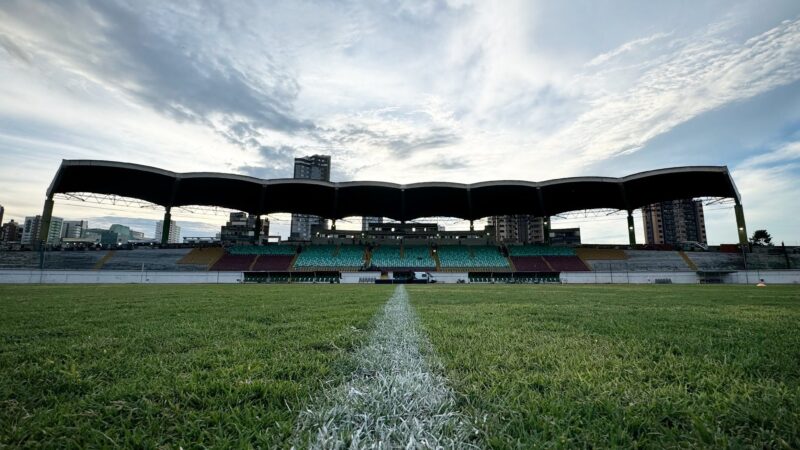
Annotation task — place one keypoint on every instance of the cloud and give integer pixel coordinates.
(130, 52)
(635, 44)
(698, 75)
(786, 153)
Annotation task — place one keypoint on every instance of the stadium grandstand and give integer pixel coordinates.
(399, 249)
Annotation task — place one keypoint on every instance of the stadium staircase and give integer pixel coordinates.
(367, 258)
(100, 263)
(203, 256)
(688, 261)
(436, 260)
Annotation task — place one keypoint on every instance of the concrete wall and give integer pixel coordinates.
(628, 277)
(740, 277)
(769, 276)
(115, 276)
(22, 276)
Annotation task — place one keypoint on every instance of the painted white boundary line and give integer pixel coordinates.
(396, 398)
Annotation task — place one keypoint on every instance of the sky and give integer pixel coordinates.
(405, 91)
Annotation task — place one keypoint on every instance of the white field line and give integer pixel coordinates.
(395, 399)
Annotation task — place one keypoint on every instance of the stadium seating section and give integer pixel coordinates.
(600, 253)
(539, 250)
(233, 263)
(330, 256)
(716, 261)
(530, 264)
(150, 259)
(278, 258)
(483, 257)
(566, 263)
(405, 257)
(642, 261)
(272, 262)
(72, 260)
(263, 250)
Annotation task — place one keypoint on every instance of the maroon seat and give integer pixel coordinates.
(233, 263)
(267, 263)
(566, 263)
(530, 264)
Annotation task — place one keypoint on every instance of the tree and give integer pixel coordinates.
(761, 238)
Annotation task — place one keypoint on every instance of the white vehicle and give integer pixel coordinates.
(423, 277)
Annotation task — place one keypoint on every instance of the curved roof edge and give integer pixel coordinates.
(332, 199)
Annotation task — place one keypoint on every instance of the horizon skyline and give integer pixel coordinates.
(450, 90)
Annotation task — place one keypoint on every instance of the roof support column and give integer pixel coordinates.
(740, 224)
(44, 228)
(257, 231)
(333, 224)
(546, 229)
(165, 226)
(631, 230)
(471, 225)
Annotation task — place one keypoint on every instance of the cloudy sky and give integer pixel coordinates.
(406, 92)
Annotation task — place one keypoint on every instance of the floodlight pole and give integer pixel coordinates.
(257, 232)
(631, 230)
(165, 226)
(44, 227)
(546, 227)
(741, 225)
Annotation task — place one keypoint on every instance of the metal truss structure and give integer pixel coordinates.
(84, 198)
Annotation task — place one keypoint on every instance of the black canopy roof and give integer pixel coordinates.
(396, 201)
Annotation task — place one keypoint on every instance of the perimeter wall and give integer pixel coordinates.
(137, 277)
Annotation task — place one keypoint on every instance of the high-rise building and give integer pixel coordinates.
(240, 230)
(31, 230)
(74, 229)
(174, 232)
(520, 228)
(2, 211)
(11, 232)
(314, 167)
(123, 232)
(366, 221)
(673, 222)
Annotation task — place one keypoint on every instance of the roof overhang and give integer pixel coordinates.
(396, 201)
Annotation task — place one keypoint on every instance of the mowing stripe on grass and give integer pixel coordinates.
(396, 398)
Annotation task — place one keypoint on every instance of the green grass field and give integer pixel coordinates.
(627, 366)
(531, 366)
